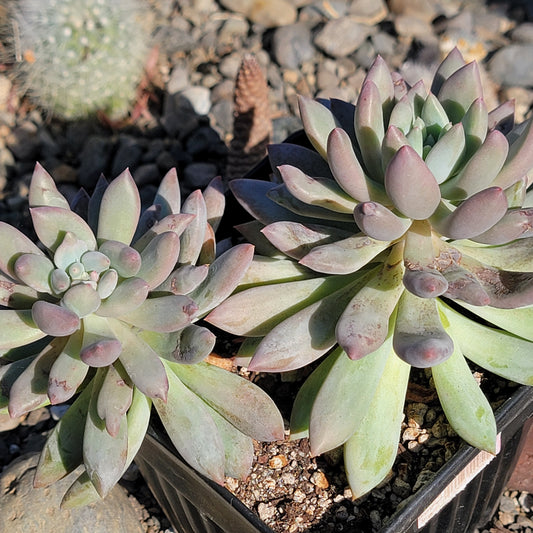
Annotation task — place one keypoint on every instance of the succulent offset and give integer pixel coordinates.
(410, 216)
(103, 315)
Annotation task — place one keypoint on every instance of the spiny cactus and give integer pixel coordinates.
(104, 312)
(78, 56)
(412, 207)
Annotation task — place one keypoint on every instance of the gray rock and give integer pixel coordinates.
(513, 65)
(179, 79)
(128, 154)
(268, 14)
(24, 141)
(292, 45)
(523, 33)
(95, 158)
(199, 98)
(198, 175)
(414, 27)
(340, 37)
(229, 65)
(179, 117)
(148, 173)
(26, 509)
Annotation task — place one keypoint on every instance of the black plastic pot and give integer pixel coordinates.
(464, 493)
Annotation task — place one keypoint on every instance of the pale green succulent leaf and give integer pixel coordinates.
(184, 279)
(195, 343)
(123, 258)
(433, 116)
(252, 232)
(138, 417)
(446, 153)
(192, 237)
(159, 258)
(215, 202)
(174, 222)
(127, 296)
(394, 139)
(17, 328)
(69, 251)
(15, 295)
(265, 270)
(515, 224)
(81, 299)
(306, 160)
(476, 126)
(379, 222)
(43, 190)
(168, 194)
(402, 116)
(34, 270)
(82, 492)
(451, 63)
(318, 121)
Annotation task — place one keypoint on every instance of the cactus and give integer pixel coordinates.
(81, 57)
(410, 216)
(103, 314)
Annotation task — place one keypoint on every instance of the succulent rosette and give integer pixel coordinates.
(410, 216)
(103, 314)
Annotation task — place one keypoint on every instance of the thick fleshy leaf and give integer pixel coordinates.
(18, 328)
(463, 285)
(168, 194)
(515, 224)
(306, 335)
(148, 218)
(306, 160)
(159, 258)
(433, 116)
(107, 283)
(459, 91)
(515, 255)
(426, 283)
(13, 243)
(369, 129)
(224, 275)
(264, 270)
(53, 319)
(463, 402)
(502, 117)
(52, 223)
(123, 258)
(15, 295)
(345, 256)
(192, 237)
(380, 75)
(411, 185)
(238, 400)
(495, 350)
(476, 126)
(364, 324)
(164, 314)
(95, 202)
(43, 190)
(104, 456)
(445, 155)
(184, 279)
(138, 417)
(419, 337)
(208, 251)
(323, 192)
(128, 296)
(101, 352)
(215, 202)
(69, 251)
(451, 63)
(81, 299)
(368, 461)
(63, 451)
(119, 210)
(255, 311)
(191, 429)
(318, 121)
(194, 345)
(143, 365)
(82, 492)
(95, 262)
(34, 270)
(175, 222)
(296, 240)
(480, 170)
(394, 139)
(380, 223)
(402, 116)
(344, 397)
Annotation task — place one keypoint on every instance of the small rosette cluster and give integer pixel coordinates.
(103, 315)
(412, 206)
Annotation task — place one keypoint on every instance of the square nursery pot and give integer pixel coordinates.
(464, 493)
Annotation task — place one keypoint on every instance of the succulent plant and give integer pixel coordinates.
(103, 314)
(379, 247)
(74, 54)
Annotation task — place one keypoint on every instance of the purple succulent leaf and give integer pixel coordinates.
(466, 407)
(253, 233)
(425, 283)
(59, 280)
(347, 170)
(29, 389)
(101, 352)
(480, 170)
(255, 311)
(193, 236)
(345, 256)
(433, 115)
(128, 296)
(69, 251)
(159, 258)
(394, 139)
(53, 319)
(297, 240)
(459, 90)
(52, 223)
(164, 314)
(17, 328)
(120, 209)
(34, 271)
(411, 185)
(451, 63)
(475, 123)
(446, 154)
(306, 160)
(402, 115)
(13, 243)
(502, 117)
(364, 323)
(419, 337)
(380, 75)
(323, 192)
(215, 201)
(63, 451)
(306, 335)
(80, 203)
(400, 86)
(67, 372)
(520, 158)
(225, 274)
(344, 113)
(43, 190)
(175, 222)
(240, 402)
(81, 299)
(201, 444)
(184, 279)
(168, 194)
(95, 201)
(463, 285)
(114, 399)
(123, 258)
(194, 345)
(208, 252)
(104, 456)
(318, 121)
(369, 129)
(15, 295)
(379, 222)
